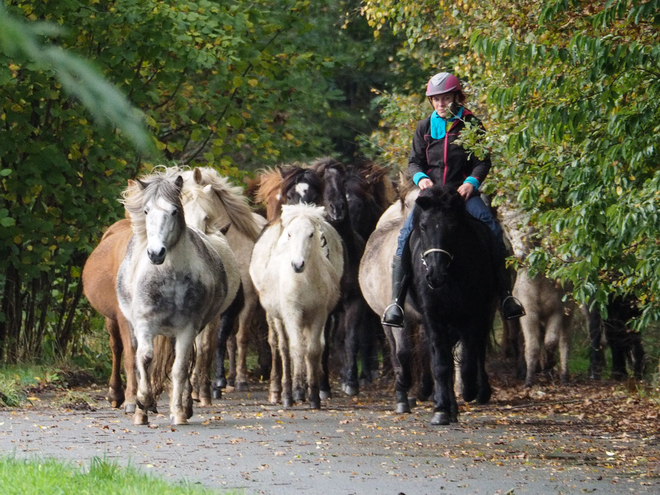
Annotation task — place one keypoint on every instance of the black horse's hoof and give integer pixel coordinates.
(326, 394)
(351, 391)
(217, 393)
(402, 407)
(220, 383)
(483, 397)
(242, 387)
(440, 418)
(287, 402)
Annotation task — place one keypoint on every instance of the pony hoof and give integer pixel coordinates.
(484, 397)
(402, 407)
(140, 418)
(326, 394)
(274, 398)
(412, 402)
(287, 403)
(179, 419)
(440, 418)
(315, 404)
(205, 402)
(220, 383)
(242, 387)
(351, 391)
(217, 393)
(129, 408)
(195, 396)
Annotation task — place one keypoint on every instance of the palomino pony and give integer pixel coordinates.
(296, 267)
(217, 204)
(452, 289)
(174, 281)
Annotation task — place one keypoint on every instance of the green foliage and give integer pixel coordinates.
(10, 392)
(570, 94)
(50, 477)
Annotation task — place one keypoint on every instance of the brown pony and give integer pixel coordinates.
(99, 279)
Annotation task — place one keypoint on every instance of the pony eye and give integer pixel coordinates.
(174, 212)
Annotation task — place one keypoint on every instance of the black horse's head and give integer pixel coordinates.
(301, 185)
(438, 216)
(333, 174)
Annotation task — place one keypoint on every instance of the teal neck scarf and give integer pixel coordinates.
(439, 125)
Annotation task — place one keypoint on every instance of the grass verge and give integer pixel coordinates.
(50, 477)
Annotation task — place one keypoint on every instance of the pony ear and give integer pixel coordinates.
(178, 182)
(142, 185)
(224, 229)
(197, 175)
(424, 201)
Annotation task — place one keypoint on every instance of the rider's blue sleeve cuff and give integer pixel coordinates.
(419, 176)
(473, 181)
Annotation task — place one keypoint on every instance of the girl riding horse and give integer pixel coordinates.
(435, 159)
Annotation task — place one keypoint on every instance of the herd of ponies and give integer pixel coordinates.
(300, 272)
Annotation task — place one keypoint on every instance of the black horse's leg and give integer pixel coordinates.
(352, 318)
(615, 333)
(329, 332)
(442, 363)
(469, 371)
(227, 326)
(596, 355)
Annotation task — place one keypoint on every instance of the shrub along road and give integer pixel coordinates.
(584, 438)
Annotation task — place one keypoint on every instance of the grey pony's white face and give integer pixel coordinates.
(300, 237)
(163, 226)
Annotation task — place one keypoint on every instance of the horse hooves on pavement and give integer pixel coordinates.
(326, 394)
(242, 387)
(217, 393)
(140, 418)
(440, 418)
(402, 407)
(129, 408)
(287, 403)
(179, 419)
(351, 391)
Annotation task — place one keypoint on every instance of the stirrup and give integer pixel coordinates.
(519, 310)
(393, 323)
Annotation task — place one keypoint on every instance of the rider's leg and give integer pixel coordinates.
(393, 315)
(511, 307)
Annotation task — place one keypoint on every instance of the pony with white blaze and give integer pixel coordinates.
(174, 281)
(296, 267)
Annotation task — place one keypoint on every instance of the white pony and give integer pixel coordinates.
(174, 281)
(296, 267)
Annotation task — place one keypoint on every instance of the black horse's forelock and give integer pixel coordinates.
(322, 165)
(442, 198)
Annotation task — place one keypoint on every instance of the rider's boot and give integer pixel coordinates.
(511, 308)
(393, 315)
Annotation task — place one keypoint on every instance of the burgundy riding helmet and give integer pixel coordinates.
(441, 83)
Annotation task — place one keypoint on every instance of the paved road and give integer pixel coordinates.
(352, 446)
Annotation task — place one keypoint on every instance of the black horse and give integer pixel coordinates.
(625, 344)
(453, 288)
(345, 322)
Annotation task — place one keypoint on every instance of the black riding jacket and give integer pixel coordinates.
(443, 161)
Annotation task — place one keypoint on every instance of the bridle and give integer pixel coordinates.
(436, 250)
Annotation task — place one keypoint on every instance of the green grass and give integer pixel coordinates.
(50, 477)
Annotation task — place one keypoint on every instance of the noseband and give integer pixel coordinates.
(436, 250)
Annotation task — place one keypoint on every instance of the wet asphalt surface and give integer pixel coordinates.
(351, 446)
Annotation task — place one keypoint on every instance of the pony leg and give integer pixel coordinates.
(196, 375)
(130, 392)
(242, 339)
(115, 388)
(401, 356)
(206, 343)
(442, 364)
(145, 399)
(180, 375)
(224, 331)
(313, 358)
(285, 355)
(352, 318)
(297, 351)
(531, 327)
(275, 388)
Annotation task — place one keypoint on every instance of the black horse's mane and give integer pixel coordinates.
(321, 165)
